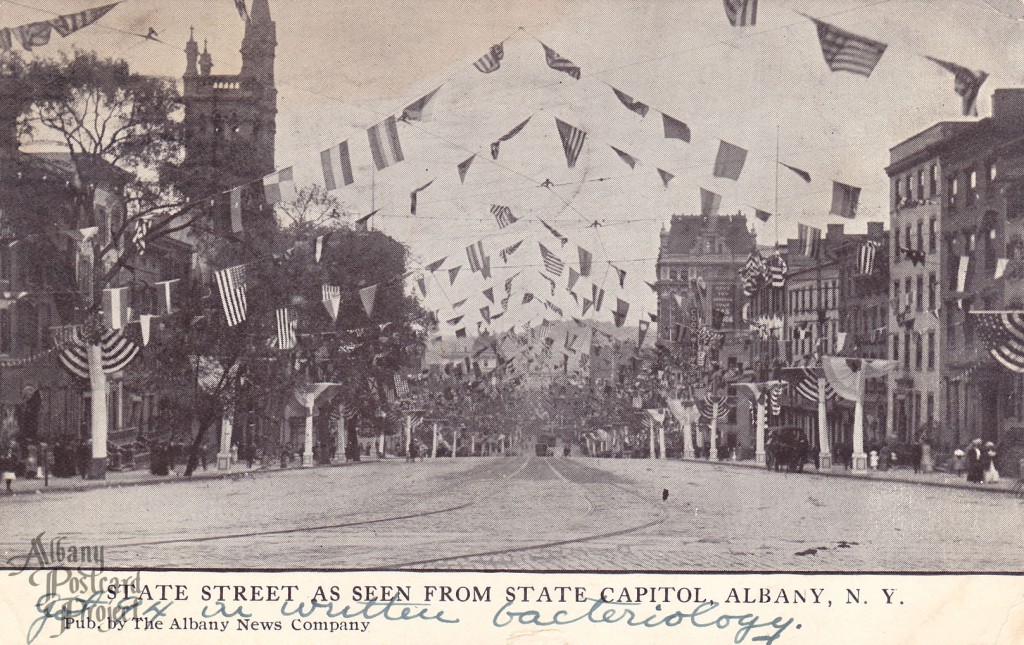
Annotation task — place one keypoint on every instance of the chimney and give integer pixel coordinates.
(835, 231)
(876, 229)
(1008, 107)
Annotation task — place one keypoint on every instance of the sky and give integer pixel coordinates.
(344, 66)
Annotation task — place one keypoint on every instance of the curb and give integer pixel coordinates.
(862, 478)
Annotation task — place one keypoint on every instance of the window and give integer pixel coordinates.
(5, 331)
(896, 245)
(896, 292)
(931, 352)
(920, 235)
(933, 284)
(920, 293)
(990, 174)
(930, 409)
(908, 240)
(918, 352)
(951, 191)
(906, 349)
(972, 193)
(951, 339)
(908, 186)
(896, 195)
(920, 184)
(895, 347)
(933, 187)
(908, 292)
(932, 234)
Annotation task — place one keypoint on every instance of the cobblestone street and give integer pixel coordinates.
(531, 513)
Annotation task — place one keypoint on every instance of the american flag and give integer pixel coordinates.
(741, 13)
(552, 263)
(70, 23)
(477, 258)
(509, 250)
(285, 329)
(141, 231)
(966, 83)
(631, 104)
(1003, 334)
(503, 215)
(231, 283)
(491, 60)
(866, 257)
(560, 63)
(848, 52)
(807, 386)
(572, 141)
(508, 283)
(810, 240)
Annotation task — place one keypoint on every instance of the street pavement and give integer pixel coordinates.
(530, 513)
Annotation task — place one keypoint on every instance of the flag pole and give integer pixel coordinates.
(373, 191)
(776, 185)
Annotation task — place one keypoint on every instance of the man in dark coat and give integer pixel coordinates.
(975, 462)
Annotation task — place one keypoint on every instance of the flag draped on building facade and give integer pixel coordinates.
(730, 160)
(491, 61)
(966, 83)
(866, 257)
(337, 166)
(231, 283)
(385, 146)
(741, 13)
(496, 146)
(560, 63)
(844, 200)
(847, 52)
(631, 104)
(1002, 332)
(572, 141)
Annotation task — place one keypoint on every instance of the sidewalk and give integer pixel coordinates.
(900, 475)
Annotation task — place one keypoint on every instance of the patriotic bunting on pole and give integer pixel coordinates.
(117, 353)
(572, 141)
(368, 295)
(464, 168)
(453, 273)
(629, 159)
(802, 174)
(1003, 335)
(503, 215)
(285, 329)
(496, 146)
(844, 200)
(559, 63)
(384, 143)
(115, 307)
(337, 166)
(675, 129)
(280, 186)
(413, 194)
(709, 203)
(491, 60)
(586, 261)
(730, 160)
(420, 109)
(741, 13)
(966, 83)
(665, 176)
(848, 52)
(552, 263)
(231, 284)
(332, 300)
(810, 240)
(561, 238)
(632, 104)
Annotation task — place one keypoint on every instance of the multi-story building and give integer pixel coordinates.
(957, 194)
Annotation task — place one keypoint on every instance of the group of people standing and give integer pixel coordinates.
(979, 460)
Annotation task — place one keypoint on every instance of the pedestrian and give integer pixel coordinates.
(8, 465)
(916, 454)
(991, 475)
(959, 462)
(250, 454)
(234, 453)
(414, 451)
(873, 460)
(975, 462)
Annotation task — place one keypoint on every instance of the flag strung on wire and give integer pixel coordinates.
(730, 160)
(675, 129)
(552, 263)
(496, 146)
(966, 83)
(527, 298)
(508, 283)
(503, 215)
(413, 194)
(628, 158)
(572, 141)
(363, 223)
(621, 273)
(236, 199)
(6, 42)
(560, 63)
(802, 174)
(116, 307)
(368, 296)
(844, 200)
(460, 333)
(631, 104)
(550, 281)
(464, 168)
(810, 240)
(643, 326)
(456, 320)
(435, 265)
(478, 260)
(561, 238)
(489, 294)
(280, 186)
(507, 252)
(337, 166)
(452, 274)
(242, 11)
(68, 24)
(665, 176)
(165, 296)
(231, 284)
(34, 34)
(741, 13)
(587, 304)
(422, 283)
(847, 52)
(332, 299)
(573, 277)
(385, 146)
(1002, 332)
(866, 257)
(1001, 264)
(597, 296)
(764, 216)
(491, 61)
(321, 242)
(285, 329)
(420, 109)
(621, 311)
(586, 262)
(709, 203)
(141, 231)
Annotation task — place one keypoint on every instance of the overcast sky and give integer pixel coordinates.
(343, 66)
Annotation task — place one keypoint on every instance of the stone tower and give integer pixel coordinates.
(230, 120)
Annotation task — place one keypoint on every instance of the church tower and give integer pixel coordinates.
(231, 120)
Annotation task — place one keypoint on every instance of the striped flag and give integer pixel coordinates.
(730, 160)
(626, 157)
(777, 271)
(419, 110)
(337, 166)
(491, 60)
(560, 63)
(966, 83)
(508, 283)
(675, 129)
(586, 261)
(332, 299)
(552, 263)
(117, 353)
(509, 250)
(632, 104)
(496, 146)
(572, 141)
(34, 34)
(231, 284)
(285, 329)
(141, 231)
(116, 307)
(1002, 332)
(384, 143)
(550, 282)
(844, 200)
(741, 13)
(401, 386)
(279, 186)
(810, 240)
(477, 258)
(848, 52)
(464, 168)
(413, 194)
(70, 23)
(709, 202)
(866, 257)
(503, 215)
(665, 176)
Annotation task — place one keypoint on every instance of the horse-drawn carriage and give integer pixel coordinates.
(786, 448)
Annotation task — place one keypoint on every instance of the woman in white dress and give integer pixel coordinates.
(991, 474)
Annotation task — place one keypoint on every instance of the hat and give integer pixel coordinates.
(958, 453)
(976, 442)
(989, 444)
